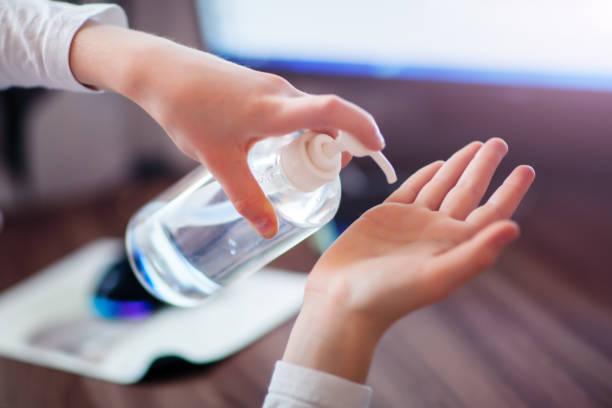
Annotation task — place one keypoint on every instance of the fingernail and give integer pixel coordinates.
(503, 142)
(381, 138)
(265, 227)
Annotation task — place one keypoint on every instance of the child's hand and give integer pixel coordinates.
(212, 109)
(216, 110)
(425, 240)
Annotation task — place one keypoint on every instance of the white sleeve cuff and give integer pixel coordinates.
(38, 39)
(297, 386)
(63, 26)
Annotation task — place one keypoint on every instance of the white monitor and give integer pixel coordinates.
(554, 43)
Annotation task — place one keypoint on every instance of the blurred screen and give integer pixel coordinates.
(555, 43)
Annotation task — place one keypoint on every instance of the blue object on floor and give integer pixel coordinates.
(119, 295)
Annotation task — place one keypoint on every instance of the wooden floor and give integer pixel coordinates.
(536, 331)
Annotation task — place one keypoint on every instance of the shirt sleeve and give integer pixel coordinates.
(35, 39)
(300, 387)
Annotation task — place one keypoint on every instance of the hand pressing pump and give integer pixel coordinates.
(190, 241)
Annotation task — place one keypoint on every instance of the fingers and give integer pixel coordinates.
(245, 193)
(328, 112)
(505, 199)
(474, 181)
(458, 265)
(346, 159)
(432, 194)
(410, 188)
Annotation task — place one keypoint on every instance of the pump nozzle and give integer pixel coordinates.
(313, 159)
(385, 166)
(347, 142)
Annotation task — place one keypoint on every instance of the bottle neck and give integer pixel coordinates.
(270, 176)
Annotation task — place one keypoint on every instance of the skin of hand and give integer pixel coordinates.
(425, 240)
(212, 109)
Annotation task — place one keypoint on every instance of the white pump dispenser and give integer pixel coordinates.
(314, 159)
(190, 241)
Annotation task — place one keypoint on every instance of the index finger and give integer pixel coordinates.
(234, 175)
(329, 112)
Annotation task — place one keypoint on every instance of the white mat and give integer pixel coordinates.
(47, 320)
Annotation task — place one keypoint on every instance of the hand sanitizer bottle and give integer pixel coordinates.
(190, 241)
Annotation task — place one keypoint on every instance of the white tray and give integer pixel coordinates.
(47, 320)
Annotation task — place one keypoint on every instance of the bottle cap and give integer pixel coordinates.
(314, 159)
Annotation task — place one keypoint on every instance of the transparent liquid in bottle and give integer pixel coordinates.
(190, 241)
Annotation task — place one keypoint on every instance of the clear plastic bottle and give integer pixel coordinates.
(190, 241)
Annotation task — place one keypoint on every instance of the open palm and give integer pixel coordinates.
(426, 239)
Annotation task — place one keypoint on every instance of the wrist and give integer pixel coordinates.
(113, 58)
(146, 66)
(328, 338)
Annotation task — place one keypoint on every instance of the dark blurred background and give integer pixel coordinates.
(435, 78)
(429, 97)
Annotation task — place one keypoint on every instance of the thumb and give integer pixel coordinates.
(238, 182)
(456, 266)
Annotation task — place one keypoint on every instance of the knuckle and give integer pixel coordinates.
(275, 82)
(166, 116)
(339, 291)
(185, 147)
(330, 102)
(246, 206)
(259, 108)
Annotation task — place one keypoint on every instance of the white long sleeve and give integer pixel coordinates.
(35, 39)
(300, 387)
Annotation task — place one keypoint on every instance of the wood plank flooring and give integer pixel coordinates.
(535, 331)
